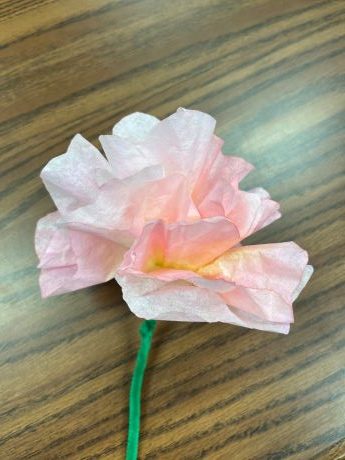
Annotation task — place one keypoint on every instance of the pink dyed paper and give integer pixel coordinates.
(163, 213)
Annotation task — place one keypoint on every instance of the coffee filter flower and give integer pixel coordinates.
(162, 212)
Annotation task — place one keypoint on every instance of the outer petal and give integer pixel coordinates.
(266, 278)
(150, 298)
(123, 149)
(262, 303)
(182, 142)
(220, 168)
(74, 178)
(114, 208)
(125, 157)
(135, 126)
(251, 211)
(307, 273)
(87, 194)
(267, 211)
(71, 259)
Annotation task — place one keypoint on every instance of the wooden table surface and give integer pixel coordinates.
(272, 73)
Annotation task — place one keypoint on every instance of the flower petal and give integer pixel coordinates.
(167, 199)
(307, 273)
(199, 243)
(249, 211)
(150, 298)
(266, 278)
(135, 127)
(87, 194)
(264, 304)
(180, 246)
(181, 142)
(125, 157)
(71, 259)
(74, 178)
(219, 168)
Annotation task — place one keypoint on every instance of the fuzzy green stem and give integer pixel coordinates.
(146, 330)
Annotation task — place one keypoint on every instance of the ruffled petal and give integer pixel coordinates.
(135, 127)
(74, 178)
(180, 246)
(249, 211)
(125, 157)
(267, 211)
(262, 303)
(219, 169)
(88, 195)
(307, 274)
(181, 142)
(167, 199)
(265, 277)
(123, 149)
(150, 298)
(70, 259)
(194, 245)
(278, 267)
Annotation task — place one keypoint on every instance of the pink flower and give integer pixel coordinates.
(172, 171)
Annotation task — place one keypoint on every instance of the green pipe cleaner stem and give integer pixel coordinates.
(146, 331)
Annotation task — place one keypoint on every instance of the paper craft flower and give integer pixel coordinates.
(164, 214)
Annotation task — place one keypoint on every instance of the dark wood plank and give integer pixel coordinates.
(272, 73)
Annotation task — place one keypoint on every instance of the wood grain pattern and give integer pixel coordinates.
(272, 73)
